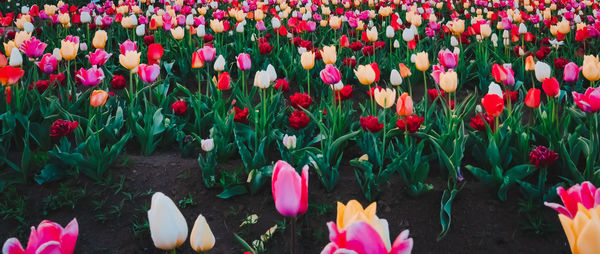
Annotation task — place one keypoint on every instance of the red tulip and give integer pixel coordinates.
(240, 115)
(493, 104)
(10, 75)
(298, 120)
(551, 87)
(290, 190)
(62, 128)
(155, 53)
(410, 123)
(532, 99)
(300, 100)
(371, 123)
(499, 73)
(224, 82)
(179, 107)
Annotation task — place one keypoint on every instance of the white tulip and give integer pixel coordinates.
(28, 27)
(219, 63)
(408, 35)
(83, 46)
(56, 54)
(389, 32)
(272, 73)
(168, 227)
(189, 19)
(289, 141)
(261, 79)
(207, 144)
(275, 23)
(495, 89)
(85, 17)
(396, 44)
(453, 41)
(542, 71)
(240, 27)
(16, 59)
(395, 78)
(140, 30)
(522, 28)
(201, 238)
(201, 31)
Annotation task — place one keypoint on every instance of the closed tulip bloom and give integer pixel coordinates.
(404, 106)
(48, 237)
(207, 145)
(261, 79)
(365, 74)
(289, 141)
(127, 45)
(485, 30)
(542, 71)
(99, 40)
(532, 99)
(353, 212)
(422, 61)
(243, 62)
(155, 53)
(148, 73)
(329, 55)
(493, 104)
(48, 63)
(448, 59)
(272, 73)
(591, 68)
(529, 63)
(217, 26)
(168, 227)
(201, 237)
(589, 101)
(330, 75)
(404, 70)
(130, 60)
(448, 81)
(585, 193)
(219, 64)
(395, 78)
(307, 59)
(90, 77)
(197, 60)
(16, 59)
(208, 53)
(68, 50)
(224, 81)
(290, 190)
(564, 27)
(98, 98)
(583, 231)
(499, 73)
(372, 34)
(571, 72)
(551, 87)
(457, 26)
(99, 57)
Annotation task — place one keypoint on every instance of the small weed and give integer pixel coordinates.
(187, 201)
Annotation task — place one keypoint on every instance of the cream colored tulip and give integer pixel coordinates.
(365, 74)
(583, 231)
(201, 238)
(385, 97)
(328, 54)
(178, 33)
(130, 60)
(168, 227)
(68, 50)
(307, 59)
(591, 68)
(448, 81)
(99, 40)
(422, 61)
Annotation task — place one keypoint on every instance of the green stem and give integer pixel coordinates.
(308, 80)
(173, 251)
(425, 98)
(542, 181)
(384, 136)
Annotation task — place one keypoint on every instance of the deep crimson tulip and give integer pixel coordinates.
(512, 95)
(350, 62)
(57, 79)
(40, 85)
(118, 82)
(542, 157)
(479, 121)
(265, 48)
(356, 46)
(560, 63)
(282, 85)
(240, 115)
(493, 104)
(371, 124)
(149, 39)
(532, 99)
(432, 94)
(298, 119)
(410, 123)
(551, 87)
(290, 190)
(179, 107)
(300, 100)
(62, 128)
(344, 93)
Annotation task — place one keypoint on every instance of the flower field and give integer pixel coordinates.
(153, 126)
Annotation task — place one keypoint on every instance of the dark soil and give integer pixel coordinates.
(480, 224)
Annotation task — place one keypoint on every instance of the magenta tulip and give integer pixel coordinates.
(331, 75)
(48, 63)
(208, 53)
(571, 72)
(148, 73)
(49, 237)
(290, 190)
(588, 102)
(99, 57)
(360, 237)
(448, 59)
(586, 194)
(90, 77)
(128, 46)
(243, 61)
(33, 48)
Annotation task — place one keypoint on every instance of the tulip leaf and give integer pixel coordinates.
(233, 191)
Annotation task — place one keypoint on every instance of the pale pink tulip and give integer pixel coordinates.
(448, 59)
(290, 190)
(208, 53)
(243, 61)
(571, 72)
(128, 46)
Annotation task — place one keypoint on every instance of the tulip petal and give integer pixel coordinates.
(51, 247)
(12, 246)
(402, 244)
(68, 239)
(362, 238)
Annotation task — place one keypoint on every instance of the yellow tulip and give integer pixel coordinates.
(591, 68)
(99, 40)
(178, 33)
(353, 212)
(307, 59)
(68, 50)
(422, 61)
(385, 97)
(98, 98)
(365, 74)
(201, 238)
(8, 47)
(130, 60)
(583, 231)
(328, 54)
(259, 15)
(448, 81)
(65, 20)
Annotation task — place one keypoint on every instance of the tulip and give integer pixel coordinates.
(571, 72)
(130, 60)
(178, 33)
(98, 98)
(422, 61)
(10, 75)
(16, 59)
(219, 64)
(99, 40)
(404, 70)
(448, 59)
(329, 55)
(197, 60)
(582, 231)
(404, 106)
(493, 104)
(201, 237)
(289, 141)
(529, 63)
(49, 237)
(243, 61)
(148, 73)
(33, 48)
(127, 46)
(168, 227)
(385, 97)
(90, 77)
(21, 37)
(499, 73)
(99, 57)
(330, 75)
(208, 53)
(372, 34)
(224, 82)
(48, 63)
(532, 99)
(8, 47)
(542, 71)
(68, 49)
(307, 59)
(448, 81)
(395, 78)
(365, 74)
(290, 190)
(585, 194)
(591, 68)
(551, 87)
(261, 79)
(155, 53)
(272, 73)
(588, 102)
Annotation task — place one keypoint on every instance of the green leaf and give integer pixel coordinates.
(233, 191)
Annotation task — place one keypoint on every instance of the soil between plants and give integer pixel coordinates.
(480, 222)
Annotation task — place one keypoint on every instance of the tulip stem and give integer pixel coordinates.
(384, 136)
(293, 235)
(425, 97)
(131, 88)
(308, 80)
(542, 181)
(173, 251)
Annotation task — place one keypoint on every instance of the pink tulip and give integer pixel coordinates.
(290, 190)
(48, 63)
(588, 102)
(331, 75)
(361, 238)
(510, 74)
(99, 57)
(148, 73)
(243, 61)
(448, 59)
(33, 48)
(90, 77)
(73, 39)
(49, 237)
(128, 46)
(586, 194)
(208, 53)
(437, 70)
(571, 72)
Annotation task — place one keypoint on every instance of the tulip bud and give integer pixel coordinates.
(140, 30)
(389, 32)
(289, 141)
(219, 64)
(168, 227)
(207, 144)
(395, 78)
(272, 73)
(16, 59)
(542, 71)
(201, 238)
(28, 27)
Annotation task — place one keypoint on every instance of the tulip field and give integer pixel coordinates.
(299, 126)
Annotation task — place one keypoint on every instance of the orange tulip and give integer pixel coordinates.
(404, 106)
(98, 98)
(404, 70)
